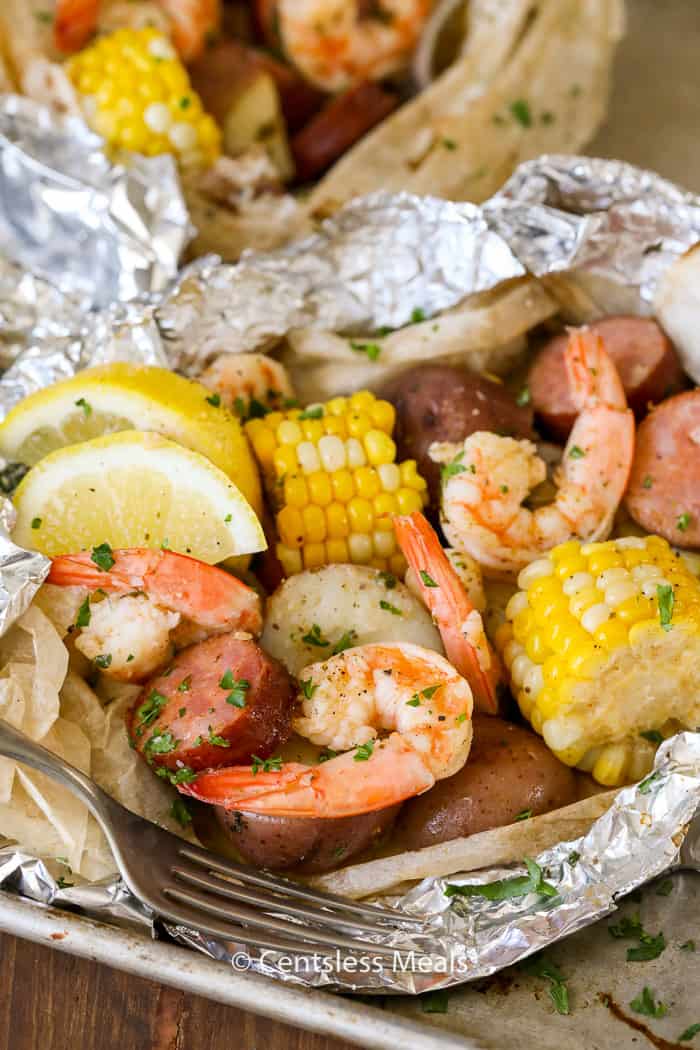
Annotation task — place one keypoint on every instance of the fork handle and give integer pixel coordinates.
(16, 745)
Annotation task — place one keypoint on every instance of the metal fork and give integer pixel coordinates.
(189, 886)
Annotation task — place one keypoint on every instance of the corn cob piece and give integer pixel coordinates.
(602, 644)
(137, 95)
(330, 471)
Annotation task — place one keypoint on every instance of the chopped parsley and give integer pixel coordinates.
(426, 693)
(417, 315)
(628, 926)
(648, 482)
(44, 16)
(238, 687)
(103, 660)
(327, 755)
(36, 523)
(652, 735)
(216, 740)
(182, 712)
(449, 144)
(83, 617)
(180, 812)
(689, 1033)
(645, 786)
(149, 710)
(372, 350)
(388, 579)
(461, 718)
(664, 888)
(666, 599)
(388, 607)
(185, 102)
(268, 765)
(315, 412)
(455, 466)
(520, 109)
(102, 557)
(214, 400)
(62, 884)
(308, 688)
(228, 518)
(435, 1002)
(541, 966)
(573, 858)
(428, 580)
(346, 641)
(687, 946)
(576, 452)
(684, 521)
(504, 889)
(85, 405)
(364, 752)
(314, 637)
(646, 1004)
(524, 814)
(161, 743)
(524, 397)
(185, 684)
(183, 775)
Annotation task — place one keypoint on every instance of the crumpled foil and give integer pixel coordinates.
(21, 572)
(102, 242)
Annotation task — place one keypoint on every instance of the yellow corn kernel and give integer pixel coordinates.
(504, 633)
(342, 485)
(572, 548)
(408, 501)
(290, 526)
(285, 460)
(522, 625)
(290, 560)
(410, 477)
(314, 555)
(289, 433)
(337, 406)
(632, 610)
(271, 420)
(578, 603)
(384, 543)
(355, 452)
(312, 429)
(314, 523)
(390, 476)
(337, 521)
(611, 766)
(550, 609)
(331, 449)
(601, 560)
(613, 634)
(360, 547)
(383, 416)
(571, 564)
(548, 702)
(385, 504)
(320, 488)
(526, 703)
(398, 564)
(362, 401)
(358, 424)
(360, 515)
(335, 425)
(544, 589)
(536, 718)
(536, 646)
(367, 483)
(296, 492)
(337, 551)
(586, 660)
(379, 447)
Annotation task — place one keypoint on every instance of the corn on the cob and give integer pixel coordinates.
(331, 473)
(602, 643)
(137, 95)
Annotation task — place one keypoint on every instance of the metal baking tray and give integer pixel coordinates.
(653, 122)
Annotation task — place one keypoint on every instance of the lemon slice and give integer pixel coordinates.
(121, 396)
(134, 489)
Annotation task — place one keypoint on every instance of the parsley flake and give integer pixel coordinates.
(652, 735)
(647, 482)
(308, 688)
(388, 579)
(314, 412)
(314, 637)
(541, 965)
(183, 775)
(666, 599)
(216, 740)
(576, 452)
(428, 581)
(455, 466)
(103, 660)
(504, 889)
(372, 350)
(520, 110)
(687, 946)
(524, 814)
(268, 765)
(364, 752)
(85, 405)
(417, 315)
(645, 1004)
(388, 607)
(684, 521)
(180, 812)
(185, 684)
(524, 397)
(102, 557)
(237, 696)
(84, 614)
(689, 1033)
(346, 641)
(214, 400)
(161, 743)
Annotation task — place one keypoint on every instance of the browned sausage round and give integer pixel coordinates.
(509, 771)
(307, 844)
(217, 704)
(443, 403)
(663, 494)
(644, 356)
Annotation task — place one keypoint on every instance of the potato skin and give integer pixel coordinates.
(445, 403)
(307, 844)
(509, 770)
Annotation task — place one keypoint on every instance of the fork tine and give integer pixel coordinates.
(266, 881)
(201, 902)
(271, 903)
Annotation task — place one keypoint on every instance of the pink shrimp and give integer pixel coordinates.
(411, 693)
(162, 599)
(459, 622)
(191, 22)
(488, 477)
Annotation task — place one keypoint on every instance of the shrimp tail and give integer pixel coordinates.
(345, 786)
(459, 622)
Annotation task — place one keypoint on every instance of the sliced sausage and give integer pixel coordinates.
(643, 354)
(444, 403)
(308, 844)
(219, 702)
(663, 494)
(338, 126)
(510, 771)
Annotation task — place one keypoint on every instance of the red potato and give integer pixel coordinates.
(643, 354)
(663, 494)
(444, 403)
(309, 845)
(509, 771)
(340, 124)
(186, 717)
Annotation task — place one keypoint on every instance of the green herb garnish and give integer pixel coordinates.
(214, 400)
(645, 1004)
(216, 740)
(689, 1033)
(102, 557)
(652, 735)
(103, 660)
(314, 637)
(316, 412)
(83, 617)
(388, 579)
(85, 405)
(541, 966)
(428, 581)
(180, 812)
(504, 889)
(435, 1002)
(36, 523)
(308, 688)
(268, 765)
(346, 641)
(520, 109)
(684, 521)
(149, 710)
(161, 743)
(575, 452)
(524, 814)
(388, 607)
(364, 752)
(666, 600)
(372, 350)
(524, 397)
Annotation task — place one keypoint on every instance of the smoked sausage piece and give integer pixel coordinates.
(663, 495)
(510, 771)
(643, 354)
(219, 702)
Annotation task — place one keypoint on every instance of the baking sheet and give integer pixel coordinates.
(653, 122)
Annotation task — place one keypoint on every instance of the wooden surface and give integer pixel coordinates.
(54, 1001)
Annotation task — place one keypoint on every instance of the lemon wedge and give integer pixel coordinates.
(134, 489)
(122, 396)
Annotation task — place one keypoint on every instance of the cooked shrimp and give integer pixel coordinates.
(162, 600)
(411, 693)
(190, 23)
(488, 477)
(458, 620)
(333, 44)
(248, 383)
